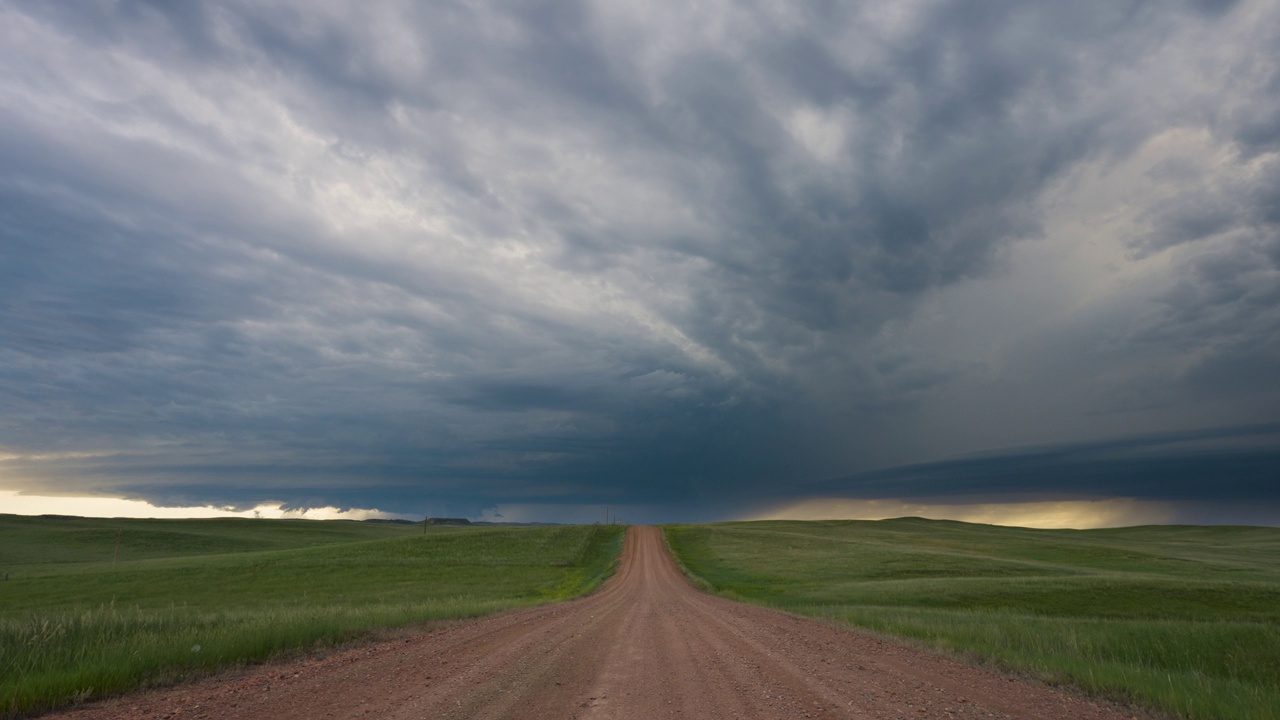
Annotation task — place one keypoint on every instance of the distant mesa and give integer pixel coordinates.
(448, 521)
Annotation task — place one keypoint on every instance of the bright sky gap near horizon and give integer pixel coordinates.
(1002, 261)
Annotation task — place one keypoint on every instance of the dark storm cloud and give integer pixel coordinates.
(1238, 464)
(1227, 300)
(453, 254)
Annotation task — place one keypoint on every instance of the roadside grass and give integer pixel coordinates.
(186, 597)
(1182, 619)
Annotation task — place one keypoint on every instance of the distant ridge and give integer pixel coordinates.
(516, 524)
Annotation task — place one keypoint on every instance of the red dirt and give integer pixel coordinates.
(647, 645)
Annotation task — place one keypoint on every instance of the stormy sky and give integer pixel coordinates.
(524, 259)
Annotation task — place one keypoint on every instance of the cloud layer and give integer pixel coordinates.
(443, 257)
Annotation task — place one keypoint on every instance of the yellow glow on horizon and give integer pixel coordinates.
(1076, 514)
(17, 503)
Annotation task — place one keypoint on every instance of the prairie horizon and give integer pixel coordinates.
(519, 262)
(1099, 609)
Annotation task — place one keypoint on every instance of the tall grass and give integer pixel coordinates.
(50, 658)
(1186, 620)
(70, 631)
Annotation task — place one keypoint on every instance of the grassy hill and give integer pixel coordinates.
(99, 606)
(1186, 619)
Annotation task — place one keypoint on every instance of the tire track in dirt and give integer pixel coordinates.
(646, 645)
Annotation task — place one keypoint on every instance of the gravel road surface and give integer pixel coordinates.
(646, 645)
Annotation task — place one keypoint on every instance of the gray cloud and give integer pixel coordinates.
(455, 255)
(1241, 461)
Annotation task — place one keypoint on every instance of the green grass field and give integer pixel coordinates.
(93, 607)
(1182, 619)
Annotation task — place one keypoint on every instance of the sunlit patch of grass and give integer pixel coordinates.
(72, 630)
(1185, 619)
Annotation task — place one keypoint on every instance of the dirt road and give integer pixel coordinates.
(647, 645)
